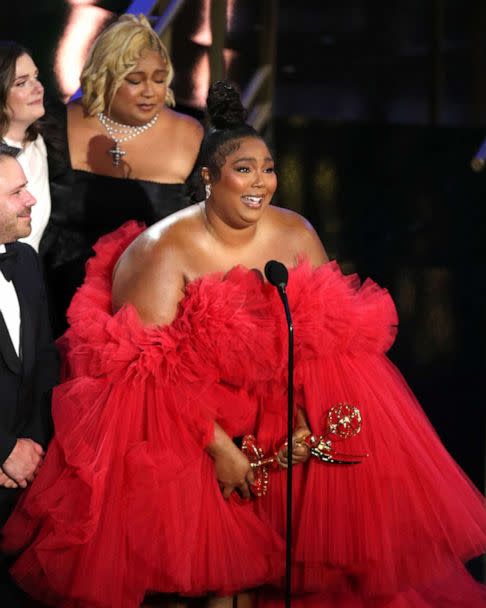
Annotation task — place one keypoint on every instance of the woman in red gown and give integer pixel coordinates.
(176, 346)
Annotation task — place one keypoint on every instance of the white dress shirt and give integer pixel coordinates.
(33, 159)
(10, 308)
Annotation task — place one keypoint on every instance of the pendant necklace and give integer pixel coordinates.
(120, 133)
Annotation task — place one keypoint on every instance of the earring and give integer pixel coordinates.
(207, 189)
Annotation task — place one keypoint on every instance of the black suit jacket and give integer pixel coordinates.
(26, 382)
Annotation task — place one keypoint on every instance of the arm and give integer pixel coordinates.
(193, 137)
(233, 470)
(186, 144)
(309, 244)
(46, 373)
(151, 278)
(20, 456)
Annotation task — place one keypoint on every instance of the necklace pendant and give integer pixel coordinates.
(119, 132)
(116, 154)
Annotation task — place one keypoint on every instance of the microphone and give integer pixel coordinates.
(479, 160)
(278, 276)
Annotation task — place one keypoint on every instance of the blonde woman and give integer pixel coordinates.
(126, 153)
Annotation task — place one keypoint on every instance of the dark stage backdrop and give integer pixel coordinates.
(400, 204)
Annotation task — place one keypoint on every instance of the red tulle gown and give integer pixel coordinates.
(127, 500)
(394, 530)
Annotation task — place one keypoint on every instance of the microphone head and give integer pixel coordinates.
(276, 273)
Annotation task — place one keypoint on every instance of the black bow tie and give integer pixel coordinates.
(7, 264)
(10, 150)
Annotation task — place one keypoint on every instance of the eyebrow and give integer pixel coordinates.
(252, 158)
(165, 70)
(17, 188)
(25, 75)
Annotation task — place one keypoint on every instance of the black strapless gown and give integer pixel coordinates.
(85, 206)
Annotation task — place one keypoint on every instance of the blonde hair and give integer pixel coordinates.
(114, 54)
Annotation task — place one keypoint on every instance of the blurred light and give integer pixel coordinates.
(200, 79)
(203, 36)
(84, 23)
(229, 55)
(230, 14)
(200, 75)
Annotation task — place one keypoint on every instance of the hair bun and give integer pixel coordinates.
(224, 106)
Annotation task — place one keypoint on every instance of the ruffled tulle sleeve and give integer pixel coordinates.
(333, 316)
(207, 354)
(333, 312)
(107, 351)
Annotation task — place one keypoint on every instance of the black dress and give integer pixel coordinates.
(86, 206)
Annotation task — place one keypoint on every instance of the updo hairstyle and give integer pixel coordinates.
(227, 118)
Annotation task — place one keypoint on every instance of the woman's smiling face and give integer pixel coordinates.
(25, 99)
(246, 184)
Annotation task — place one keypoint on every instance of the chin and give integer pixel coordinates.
(22, 233)
(36, 114)
(41, 112)
(143, 118)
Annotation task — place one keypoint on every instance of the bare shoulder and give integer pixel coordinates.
(178, 139)
(163, 240)
(150, 274)
(80, 126)
(76, 113)
(299, 235)
(186, 125)
(75, 108)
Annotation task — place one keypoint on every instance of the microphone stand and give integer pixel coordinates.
(277, 274)
(290, 418)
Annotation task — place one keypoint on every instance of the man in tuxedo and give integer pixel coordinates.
(28, 358)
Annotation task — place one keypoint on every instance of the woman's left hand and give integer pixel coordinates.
(300, 451)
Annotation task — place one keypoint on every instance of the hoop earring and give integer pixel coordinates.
(207, 189)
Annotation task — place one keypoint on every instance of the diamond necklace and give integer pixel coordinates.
(120, 133)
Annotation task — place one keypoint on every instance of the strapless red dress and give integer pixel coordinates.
(127, 501)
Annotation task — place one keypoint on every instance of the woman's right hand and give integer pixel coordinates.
(233, 472)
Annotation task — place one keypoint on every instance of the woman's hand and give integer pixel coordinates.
(300, 451)
(233, 470)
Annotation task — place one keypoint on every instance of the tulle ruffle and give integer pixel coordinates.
(456, 590)
(127, 500)
(404, 516)
(218, 321)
